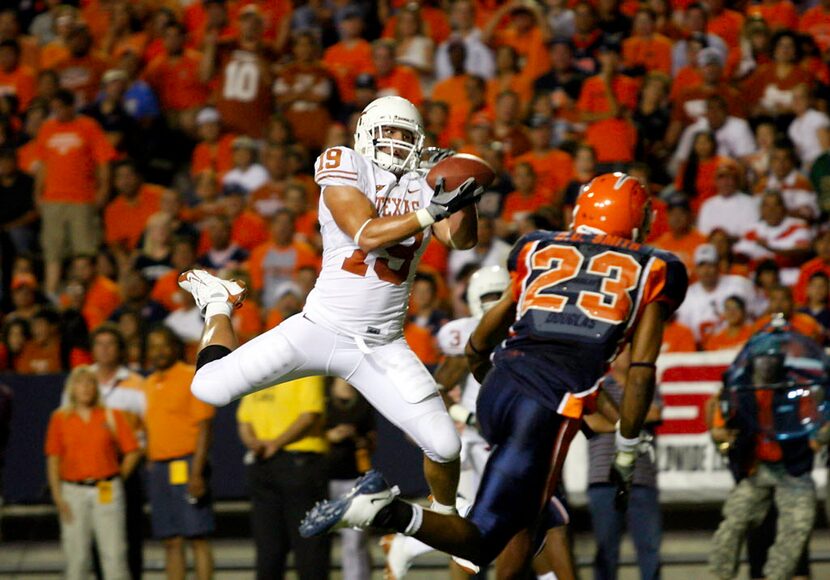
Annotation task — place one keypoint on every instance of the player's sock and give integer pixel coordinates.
(400, 516)
(447, 510)
(211, 353)
(213, 308)
(547, 576)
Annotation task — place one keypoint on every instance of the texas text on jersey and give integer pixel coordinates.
(579, 297)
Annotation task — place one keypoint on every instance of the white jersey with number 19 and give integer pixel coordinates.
(358, 293)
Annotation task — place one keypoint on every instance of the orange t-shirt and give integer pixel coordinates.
(683, 247)
(518, 83)
(435, 25)
(82, 76)
(166, 291)
(652, 53)
(727, 25)
(421, 342)
(302, 256)
(20, 82)
(516, 204)
(724, 341)
(101, 300)
(612, 139)
(216, 157)
(678, 338)
(800, 322)
(816, 23)
(531, 49)
(764, 82)
(176, 81)
(89, 450)
(807, 270)
(686, 78)
(124, 221)
(36, 359)
(53, 53)
(781, 14)
(554, 169)
(247, 322)
(70, 153)
(249, 230)
(401, 82)
(173, 413)
(345, 62)
(704, 182)
(27, 157)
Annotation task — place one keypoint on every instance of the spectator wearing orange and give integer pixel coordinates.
(821, 263)
(479, 136)
(101, 297)
(451, 90)
(477, 112)
(815, 21)
(393, 78)
(682, 239)
(765, 136)
(247, 228)
(736, 330)
(55, 50)
(179, 428)
(781, 302)
(526, 31)
(277, 260)
(246, 174)
(696, 177)
(818, 295)
(243, 67)
(125, 217)
(15, 78)
(769, 89)
(725, 23)
(604, 102)
(27, 153)
(795, 189)
(23, 288)
(174, 74)
(414, 48)
(295, 200)
(72, 181)
(218, 250)
(435, 20)
(527, 198)
(83, 443)
(646, 49)
(690, 74)
(553, 167)
(81, 71)
(777, 14)
(507, 126)
(214, 151)
(304, 91)
(166, 289)
(42, 354)
(585, 169)
(289, 299)
(349, 57)
(267, 198)
(478, 57)
(509, 77)
(677, 337)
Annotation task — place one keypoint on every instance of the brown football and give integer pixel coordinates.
(456, 169)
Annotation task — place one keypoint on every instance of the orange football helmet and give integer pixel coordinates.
(615, 204)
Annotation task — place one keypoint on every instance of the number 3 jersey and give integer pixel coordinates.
(579, 298)
(357, 293)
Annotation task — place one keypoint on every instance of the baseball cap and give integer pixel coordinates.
(207, 115)
(24, 280)
(244, 141)
(351, 11)
(678, 199)
(250, 10)
(706, 254)
(365, 81)
(709, 56)
(114, 74)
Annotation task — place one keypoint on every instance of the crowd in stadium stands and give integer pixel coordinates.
(142, 138)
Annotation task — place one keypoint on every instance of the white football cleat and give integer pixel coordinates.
(397, 557)
(209, 289)
(356, 509)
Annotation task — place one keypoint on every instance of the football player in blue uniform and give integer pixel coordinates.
(576, 298)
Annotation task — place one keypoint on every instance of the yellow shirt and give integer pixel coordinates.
(271, 411)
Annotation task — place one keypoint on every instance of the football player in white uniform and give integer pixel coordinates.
(376, 215)
(483, 290)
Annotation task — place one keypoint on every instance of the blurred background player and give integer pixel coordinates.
(576, 298)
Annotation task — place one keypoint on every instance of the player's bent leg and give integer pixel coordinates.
(397, 384)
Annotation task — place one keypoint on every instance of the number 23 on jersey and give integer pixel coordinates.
(620, 274)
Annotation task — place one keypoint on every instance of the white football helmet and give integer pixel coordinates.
(487, 280)
(395, 155)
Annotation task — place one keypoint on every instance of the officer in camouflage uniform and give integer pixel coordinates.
(773, 404)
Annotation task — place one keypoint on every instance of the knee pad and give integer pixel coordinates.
(439, 438)
(209, 385)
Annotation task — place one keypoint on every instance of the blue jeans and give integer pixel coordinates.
(644, 524)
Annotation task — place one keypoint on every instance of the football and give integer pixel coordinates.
(456, 169)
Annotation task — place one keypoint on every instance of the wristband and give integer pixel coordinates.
(460, 414)
(425, 218)
(360, 231)
(624, 443)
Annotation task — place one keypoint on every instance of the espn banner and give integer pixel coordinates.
(690, 467)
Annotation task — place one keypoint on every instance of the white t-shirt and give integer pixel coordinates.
(790, 234)
(796, 198)
(358, 294)
(804, 134)
(734, 139)
(249, 179)
(733, 214)
(115, 396)
(701, 310)
(479, 60)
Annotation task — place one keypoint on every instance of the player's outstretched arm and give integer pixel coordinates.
(489, 333)
(639, 385)
(354, 214)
